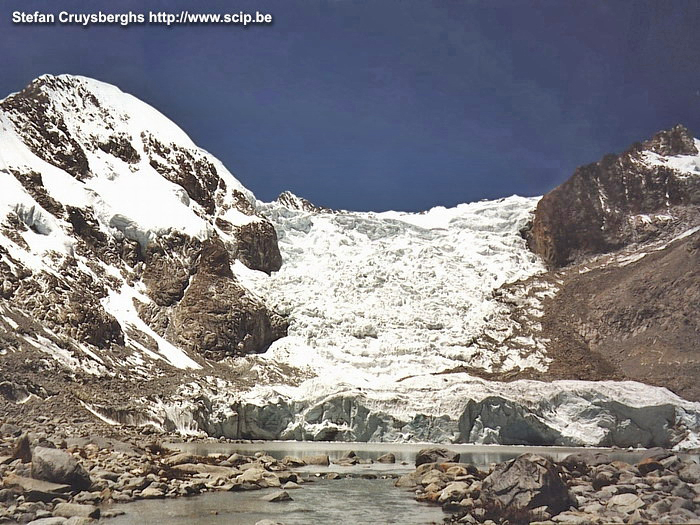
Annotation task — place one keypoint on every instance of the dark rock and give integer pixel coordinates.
(583, 461)
(527, 482)
(649, 465)
(257, 248)
(216, 316)
(22, 450)
(436, 455)
(43, 130)
(59, 467)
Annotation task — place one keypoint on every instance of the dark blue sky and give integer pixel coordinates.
(402, 104)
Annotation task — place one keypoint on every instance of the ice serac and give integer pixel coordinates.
(621, 199)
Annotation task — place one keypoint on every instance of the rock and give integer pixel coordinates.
(649, 465)
(582, 461)
(321, 460)
(292, 461)
(268, 522)
(204, 468)
(656, 453)
(37, 490)
(690, 473)
(217, 316)
(257, 248)
(69, 510)
(626, 503)
(276, 497)
(77, 520)
(573, 518)
(455, 491)
(22, 450)
(290, 485)
(587, 213)
(603, 479)
(436, 455)
(56, 520)
(387, 458)
(179, 459)
(59, 467)
(152, 493)
(527, 482)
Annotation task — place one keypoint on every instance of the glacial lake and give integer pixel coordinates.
(351, 501)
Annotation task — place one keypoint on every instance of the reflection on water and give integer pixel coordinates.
(480, 455)
(350, 501)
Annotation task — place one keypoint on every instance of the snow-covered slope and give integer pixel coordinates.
(97, 181)
(140, 278)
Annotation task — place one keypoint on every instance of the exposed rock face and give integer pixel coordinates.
(294, 202)
(216, 316)
(257, 246)
(527, 482)
(603, 205)
(44, 129)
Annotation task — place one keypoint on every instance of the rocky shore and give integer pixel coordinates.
(50, 477)
(584, 488)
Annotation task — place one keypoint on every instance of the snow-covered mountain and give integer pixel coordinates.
(143, 283)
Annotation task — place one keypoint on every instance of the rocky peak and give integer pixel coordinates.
(675, 141)
(294, 202)
(650, 191)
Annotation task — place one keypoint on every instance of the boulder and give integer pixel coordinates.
(527, 482)
(22, 451)
(582, 461)
(649, 465)
(55, 520)
(55, 465)
(292, 461)
(179, 459)
(321, 460)
(69, 510)
(387, 458)
(625, 503)
(436, 455)
(690, 473)
(276, 497)
(455, 491)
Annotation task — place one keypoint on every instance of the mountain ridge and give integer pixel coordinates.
(208, 311)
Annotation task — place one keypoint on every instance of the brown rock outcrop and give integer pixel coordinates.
(257, 246)
(216, 316)
(593, 211)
